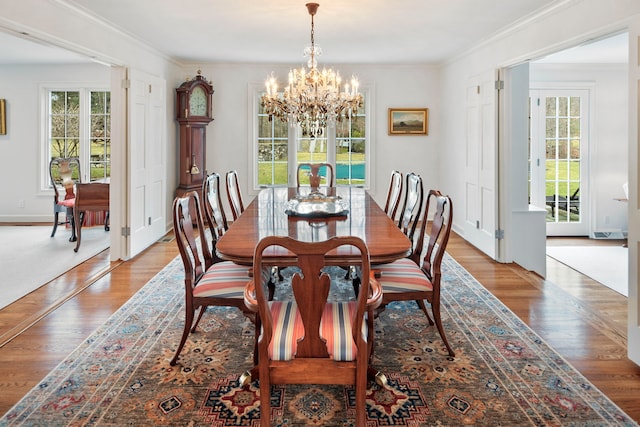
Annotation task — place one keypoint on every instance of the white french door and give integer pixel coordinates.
(558, 160)
(480, 173)
(147, 160)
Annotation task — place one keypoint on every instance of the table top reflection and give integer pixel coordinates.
(266, 216)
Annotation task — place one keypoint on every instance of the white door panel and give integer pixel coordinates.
(147, 163)
(481, 173)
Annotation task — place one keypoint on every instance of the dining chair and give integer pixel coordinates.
(220, 284)
(316, 174)
(64, 173)
(307, 339)
(213, 211)
(394, 194)
(234, 195)
(90, 197)
(406, 280)
(412, 206)
(237, 207)
(213, 214)
(409, 218)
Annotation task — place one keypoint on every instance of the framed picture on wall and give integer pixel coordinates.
(3, 117)
(408, 121)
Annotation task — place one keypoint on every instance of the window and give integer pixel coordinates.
(351, 150)
(280, 147)
(273, 150)
(78, 124)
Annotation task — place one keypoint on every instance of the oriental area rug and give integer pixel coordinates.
(503, 373)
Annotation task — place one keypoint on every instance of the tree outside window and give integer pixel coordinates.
(79, 125)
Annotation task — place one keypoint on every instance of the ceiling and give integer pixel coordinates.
(276, 31)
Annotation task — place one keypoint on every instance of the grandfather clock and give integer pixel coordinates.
(194, 114)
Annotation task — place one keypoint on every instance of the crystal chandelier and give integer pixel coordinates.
(312, 97)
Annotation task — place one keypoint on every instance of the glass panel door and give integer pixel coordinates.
(559, 142)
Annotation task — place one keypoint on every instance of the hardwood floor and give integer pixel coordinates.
(584, 321)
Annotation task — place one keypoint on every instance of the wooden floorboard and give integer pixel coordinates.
(584, 321)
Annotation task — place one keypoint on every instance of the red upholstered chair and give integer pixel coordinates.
(64, 174)
(307, 340)
(315, 174)
(220, 284)
(419, 279)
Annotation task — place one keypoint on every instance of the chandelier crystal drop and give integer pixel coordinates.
(312, 98)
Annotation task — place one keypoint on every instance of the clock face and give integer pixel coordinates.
(198, 102)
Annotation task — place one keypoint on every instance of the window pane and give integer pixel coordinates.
(280, 129)
(563, 107)
(563, 149)
(575, 149)
(575, 127)
(551, 149)
(563, 130)
(575, 106)
(551, 128)
(264, 127)
(574, 171)
(550, 106)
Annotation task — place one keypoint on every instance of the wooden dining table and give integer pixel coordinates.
(266, 216)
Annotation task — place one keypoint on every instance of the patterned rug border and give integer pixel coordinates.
(542, 347)
(141, 325)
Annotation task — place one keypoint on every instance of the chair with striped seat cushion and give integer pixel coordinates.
(335, 328)
(309, 340)
(208, 281)
(408, 222)
(406, 280)
(216, 220)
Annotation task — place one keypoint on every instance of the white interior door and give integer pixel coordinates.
(480, 159)
(559, 158)
(147, 160)
(633, 342)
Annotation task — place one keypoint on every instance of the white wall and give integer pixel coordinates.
(609, 137)
(21, 146)
(229, 135)
(568, 25)
(82, 34)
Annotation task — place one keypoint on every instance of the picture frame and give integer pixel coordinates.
(3, 117)
(408, 121)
